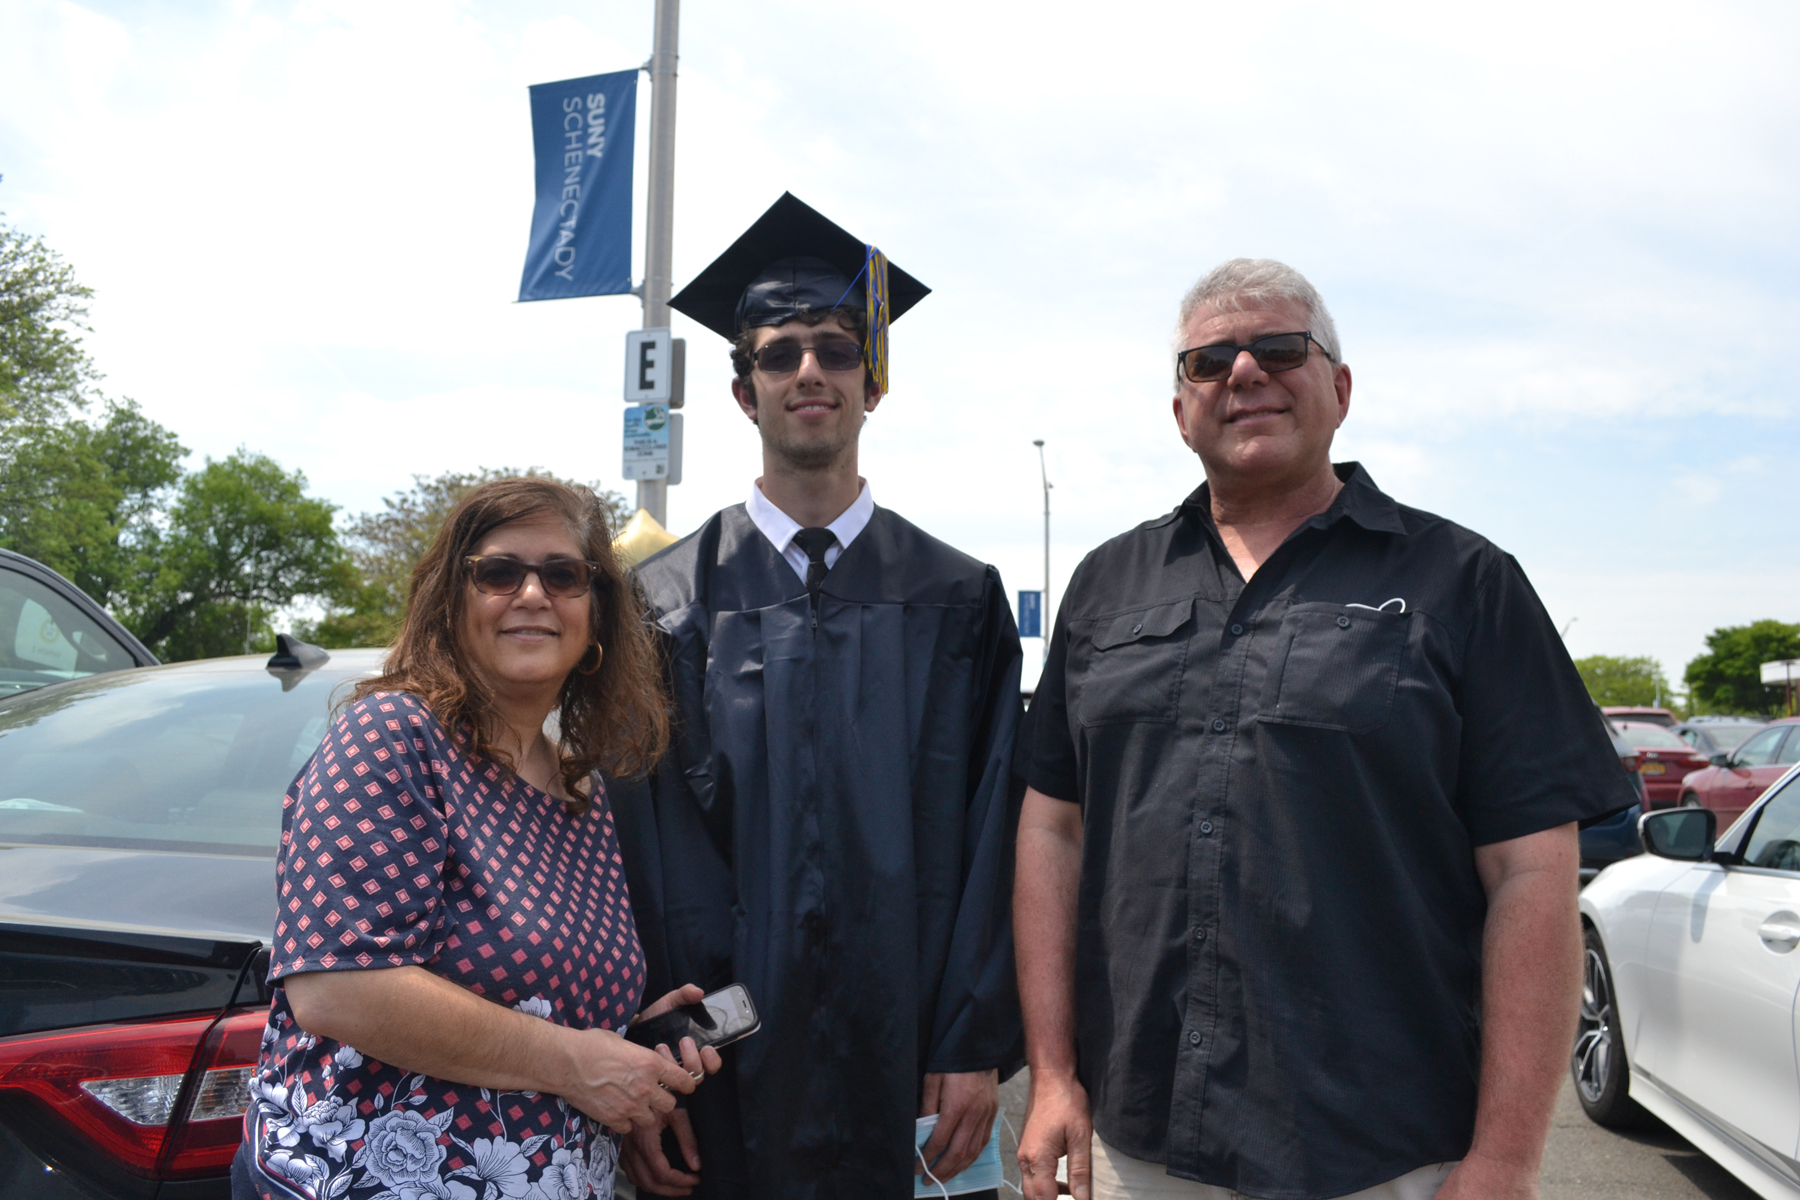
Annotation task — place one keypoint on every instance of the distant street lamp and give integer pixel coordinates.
(1044, 473)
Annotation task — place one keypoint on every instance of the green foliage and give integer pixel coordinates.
(1728, 677)
(82, 497)
(1634, 681)
(241, 541)
(44, 371)
(384, 546)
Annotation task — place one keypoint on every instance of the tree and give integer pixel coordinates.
(383, 547)
(1728, 677)
(1638, 682)
(82, 497)
(44, 371)
(241, 541)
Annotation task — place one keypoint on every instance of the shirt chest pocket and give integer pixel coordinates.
(1127, 667)
(1335, 668)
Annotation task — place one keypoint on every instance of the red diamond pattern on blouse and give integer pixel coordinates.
(432, 858)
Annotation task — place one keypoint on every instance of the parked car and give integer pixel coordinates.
(1612, 838)
(1643, 716)
(50, 630)
(1665, 758)
(1714, 735)
(139, 817)
(1690, 981)
(1734, 781)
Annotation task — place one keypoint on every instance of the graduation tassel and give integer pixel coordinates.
(875, 348)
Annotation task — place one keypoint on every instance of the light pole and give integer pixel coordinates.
(1044, 473)
(659, 226)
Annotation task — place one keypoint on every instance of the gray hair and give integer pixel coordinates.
(1242, 283)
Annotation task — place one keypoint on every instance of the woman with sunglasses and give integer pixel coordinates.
(455, 951)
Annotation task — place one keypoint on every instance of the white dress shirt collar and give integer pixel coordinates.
(780, 528)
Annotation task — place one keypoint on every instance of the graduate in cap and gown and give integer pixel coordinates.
(833, 826)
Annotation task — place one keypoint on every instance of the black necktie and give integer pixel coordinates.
(815, 542)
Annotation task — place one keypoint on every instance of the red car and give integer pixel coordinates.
(1735, 780)
(1665, 759)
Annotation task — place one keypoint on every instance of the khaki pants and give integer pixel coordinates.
(1118, 1177)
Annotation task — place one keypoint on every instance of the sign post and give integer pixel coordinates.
(659, 222)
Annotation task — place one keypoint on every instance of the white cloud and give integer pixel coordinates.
(1561, 262)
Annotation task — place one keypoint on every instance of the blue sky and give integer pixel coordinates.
(1558, 240)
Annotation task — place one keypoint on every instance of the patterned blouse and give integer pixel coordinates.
(399, 847)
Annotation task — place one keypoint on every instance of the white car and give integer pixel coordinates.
(1688, 1005)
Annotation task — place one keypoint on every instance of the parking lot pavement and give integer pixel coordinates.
(1582, 1161)
(1585, 1162)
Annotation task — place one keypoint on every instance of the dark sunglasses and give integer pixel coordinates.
(1275, 353)
(783, 358)
(500, 575)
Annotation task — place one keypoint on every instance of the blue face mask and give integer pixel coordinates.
(981, 1175)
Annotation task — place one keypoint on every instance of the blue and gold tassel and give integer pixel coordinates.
(875, 347)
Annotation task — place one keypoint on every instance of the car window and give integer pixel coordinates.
(1651, 737)
(1790, 749)
(1759, 751)
(44, 639)
(1725, 738)
(166, 759)
(1775, 842)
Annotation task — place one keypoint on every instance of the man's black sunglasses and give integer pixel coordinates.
(503, 575)
(1275, 353)
(783, 358)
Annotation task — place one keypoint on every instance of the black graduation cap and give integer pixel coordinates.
(793, 260)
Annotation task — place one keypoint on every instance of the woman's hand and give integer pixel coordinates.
(622, 1085)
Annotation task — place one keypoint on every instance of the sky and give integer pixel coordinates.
(1558, 240)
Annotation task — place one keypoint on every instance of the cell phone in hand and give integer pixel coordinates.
(719, 1019)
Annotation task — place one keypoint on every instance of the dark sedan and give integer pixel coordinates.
(51, 630)
(139, 816)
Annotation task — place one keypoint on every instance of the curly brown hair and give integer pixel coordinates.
(616, 719)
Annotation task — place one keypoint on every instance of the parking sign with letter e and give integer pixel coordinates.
(653, 367)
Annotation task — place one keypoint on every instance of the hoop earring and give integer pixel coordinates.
(599, 656)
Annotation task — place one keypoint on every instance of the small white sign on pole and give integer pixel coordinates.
(1781, 672)
(652, 443)
(653, 367)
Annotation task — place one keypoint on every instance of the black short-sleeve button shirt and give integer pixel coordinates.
(1282, 785)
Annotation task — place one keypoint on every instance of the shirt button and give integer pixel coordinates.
(1206, 827)
(1237, 631)
(1343, 622)
(1218, 724)
(1199, 935)
(1137, 629)
(1193, 1037)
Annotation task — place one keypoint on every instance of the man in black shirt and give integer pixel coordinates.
(1295, 900)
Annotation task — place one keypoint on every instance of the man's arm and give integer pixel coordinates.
(1530, 994)
(1046, 883)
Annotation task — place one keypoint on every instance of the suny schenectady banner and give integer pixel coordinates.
(581, 226)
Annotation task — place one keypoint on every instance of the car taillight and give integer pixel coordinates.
(1632, 762)
(165, 1099)
(204, 1142)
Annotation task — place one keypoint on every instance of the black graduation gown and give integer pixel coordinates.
(833, 827)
